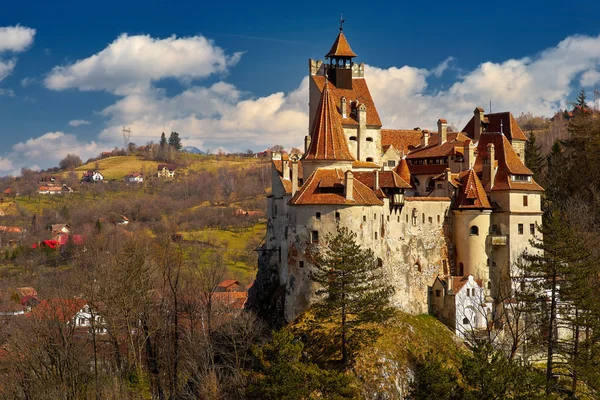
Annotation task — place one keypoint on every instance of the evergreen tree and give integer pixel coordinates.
(433, 380)
(163, 140)
(175, 141)
(352, 294)
(534, 160)
(162, 147)
(580, 101)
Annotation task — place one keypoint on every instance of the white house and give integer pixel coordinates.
(136, 177)
(92, 176)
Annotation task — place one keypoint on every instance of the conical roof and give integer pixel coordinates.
(340, 48)
(471, 194)
(403, 170)
(328, 141)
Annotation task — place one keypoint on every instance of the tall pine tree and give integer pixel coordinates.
(352, 291)
(162, 147)
(175, 141)
(534, 160)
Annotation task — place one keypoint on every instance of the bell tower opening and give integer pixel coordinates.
(339, 68)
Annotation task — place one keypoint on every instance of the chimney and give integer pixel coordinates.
(361, 112)
(478, 123)
(447, 180)
(343, 107)
(376, 181)
(469, 155)
(294, 174)
(489, 171)
(425, 138)
(349, 185)
(306, 143)
(285, 166)
(442, 131)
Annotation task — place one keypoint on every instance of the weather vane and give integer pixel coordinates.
(342, 20)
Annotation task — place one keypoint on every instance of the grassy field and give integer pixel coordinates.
(235, 245)
(117, 167)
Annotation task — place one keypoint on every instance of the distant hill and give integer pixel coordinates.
(192, 150)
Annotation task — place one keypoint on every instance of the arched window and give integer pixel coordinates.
(474, 231)
(369, 159)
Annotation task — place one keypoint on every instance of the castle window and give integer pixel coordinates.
(438, 219)
(318, 216)
(369, 159)
(364, 218)
(314, 237)
(525, 201)
(406, 218)
(438, 293)
(495, 229)
(301, 264)
(353, 138)
(337, 216)
(468, 292)
(423, 217)
(465, 321)
(430, 219)
(374, 216)
(489, 284)
(418, 266)
(369, 139)
(520, 229)
(388, 218)
(532, 229)
(391, 163)
(375, 235)
(440, 186)
(399, 218)
(474, 231)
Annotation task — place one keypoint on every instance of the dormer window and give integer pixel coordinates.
(520, 178)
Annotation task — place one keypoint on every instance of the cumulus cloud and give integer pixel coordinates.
(13, 39)
(442, 67)
(78, 122)
(16, 38)
(48, 149)
(6, 164)
(131, 64)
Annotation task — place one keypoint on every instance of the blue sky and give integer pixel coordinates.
(232, 74)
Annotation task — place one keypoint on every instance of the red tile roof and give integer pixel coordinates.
(63, 310)
(340, 48)
(227, 283)
(403, 170)
(326, 186)
(364, 164)
(402, 140)
(328, 141)
(509, 163)
(360, 91)
(471, 194)
(387, 179)
(510, 128)
(450, 147)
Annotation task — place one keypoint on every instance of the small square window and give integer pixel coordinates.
(532, 229)
(315, 236)
(520, 229)
(438, 293)
(318, 216)
(391, 163)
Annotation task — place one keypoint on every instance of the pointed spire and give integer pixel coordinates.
(340, 47)
(471, 194)
(403, 171)
(328, 141)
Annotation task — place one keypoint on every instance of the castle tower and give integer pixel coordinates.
(340, 63)
(471, 219)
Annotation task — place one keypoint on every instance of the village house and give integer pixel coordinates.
(64, 189)
(76, 313)
(92, 177)
(444, 212)
(166, 170)
(135, 177)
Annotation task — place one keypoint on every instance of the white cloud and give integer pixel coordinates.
(47, 150)
(6, 164)
(16, 38)
(131, 64)
(7, 92)
(78, 122)
(442, 67)
(27, 81)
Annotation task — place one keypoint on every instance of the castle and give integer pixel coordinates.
(447, 214)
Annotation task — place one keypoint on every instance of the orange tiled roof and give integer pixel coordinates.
(428, 198)
(328, 141)
(360, 91)
(403, 170)
(402, 140)
(387, 179)
(447, 148)
(364, 164)
(509, 163)
(326, 186)
(427, 169)
(510, 127)
(471, 194)
(340, 48)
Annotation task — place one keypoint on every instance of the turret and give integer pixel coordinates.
(478, 123)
